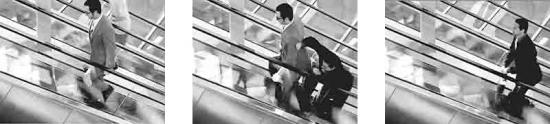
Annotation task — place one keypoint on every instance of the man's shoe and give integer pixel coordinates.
(107, 93)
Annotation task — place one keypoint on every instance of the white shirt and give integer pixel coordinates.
(120, 15)
(93, 23)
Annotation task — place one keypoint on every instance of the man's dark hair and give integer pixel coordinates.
(93, 5)
(286, 11)
(523, 24)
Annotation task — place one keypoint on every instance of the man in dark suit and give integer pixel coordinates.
(293, 32)
(522, 61)
(102, 42)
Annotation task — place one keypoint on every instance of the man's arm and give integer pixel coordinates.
(110, 46)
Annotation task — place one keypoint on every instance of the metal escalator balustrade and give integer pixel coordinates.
(449, 83)
(116, 73)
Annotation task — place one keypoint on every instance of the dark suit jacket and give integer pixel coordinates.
(102, 41)
(523, 60)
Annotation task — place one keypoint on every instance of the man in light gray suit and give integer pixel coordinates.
(290, 53)
(102, 42)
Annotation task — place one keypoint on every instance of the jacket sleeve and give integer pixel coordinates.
(109, 42)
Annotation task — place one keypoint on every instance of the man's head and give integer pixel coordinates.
(520, 26)
(284, 13)
(94, 8)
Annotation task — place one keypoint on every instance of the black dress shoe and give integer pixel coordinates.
(106, 93)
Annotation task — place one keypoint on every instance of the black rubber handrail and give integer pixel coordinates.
(491, 23)
(306, 26)
(326, 14)
(114, 25)
(267, 25)
(272, 60)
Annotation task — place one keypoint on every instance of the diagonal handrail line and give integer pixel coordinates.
(471, 32)
(268, 25)
(326, 14)
(141, 18)
(232, 55)
(439, 94)
(247, 96)
(462, 27)
(65, 63)
(510, 11)
(272, 60)
(491, 23)
(81, 28)
(114, 25)
(83, 60)
(471, 63)
(307, 26)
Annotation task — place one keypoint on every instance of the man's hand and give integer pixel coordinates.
(504, 69)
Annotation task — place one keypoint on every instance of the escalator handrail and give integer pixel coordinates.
(277, 62)
(326, 14)
(491, 40)
(493, 24)
(116, 26)
(509, 11)
(469, 62)
(307, 26)
(276, 30)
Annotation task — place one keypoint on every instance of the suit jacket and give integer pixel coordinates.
(290, 36)
(102, 41)
(523, 60)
